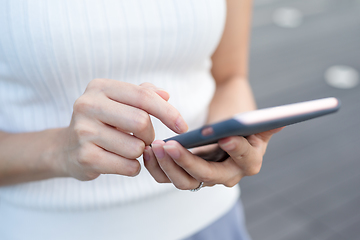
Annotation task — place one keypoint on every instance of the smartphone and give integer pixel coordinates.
(248, 123)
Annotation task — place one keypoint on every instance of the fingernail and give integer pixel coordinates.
(163, 90)
(146, 155)
(158, 151)
(172, 151)
(181, 125)
(162, 93)
(227, 144)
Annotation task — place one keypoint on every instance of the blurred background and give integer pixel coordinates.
(309, 185)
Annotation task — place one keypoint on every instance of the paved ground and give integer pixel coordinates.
(309, 186)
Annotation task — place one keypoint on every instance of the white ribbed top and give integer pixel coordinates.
(51, 50)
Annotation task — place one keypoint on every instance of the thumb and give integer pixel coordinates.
(261, 140)
(161, 92)
(265, 136)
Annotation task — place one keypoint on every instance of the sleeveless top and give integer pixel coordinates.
(51, 50)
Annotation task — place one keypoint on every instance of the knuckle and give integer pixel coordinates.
(146, 94)
(133, 170)
(97, 83)
(162, 179)
(148, 85)
(142, 121)
(207, 176)
(83, 104)
(172, 112)
(232, 182)
(206, 179)
(164, 163)
(137, 149)
(144, 97)
(253, 169)
(185, 164)
(183, 185)
(151, 137)
(244, 153)
(83, 131)
(91, 176)
(86, 156)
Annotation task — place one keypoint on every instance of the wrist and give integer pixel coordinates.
(54, 157)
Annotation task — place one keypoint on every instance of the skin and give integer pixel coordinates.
(111, 114)
(171, 163)
(108, 115)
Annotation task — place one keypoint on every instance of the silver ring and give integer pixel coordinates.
(198, 188)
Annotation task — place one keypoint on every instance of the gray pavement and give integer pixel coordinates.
(309, 185)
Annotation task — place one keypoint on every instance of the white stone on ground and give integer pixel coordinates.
(287, 17)
(341, 76)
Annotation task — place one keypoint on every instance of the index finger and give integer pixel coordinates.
(147, 100)
(204, 171)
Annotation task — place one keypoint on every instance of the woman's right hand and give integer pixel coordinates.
(111, 126)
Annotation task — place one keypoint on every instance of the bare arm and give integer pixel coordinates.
(97, 141)
(28, 156)
(230, 64)
(170, 162)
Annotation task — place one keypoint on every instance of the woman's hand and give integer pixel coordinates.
(170, 162)
(111, 126)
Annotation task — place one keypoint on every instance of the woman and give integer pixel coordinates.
(59, 126)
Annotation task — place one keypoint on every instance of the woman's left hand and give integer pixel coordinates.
(170, 162)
